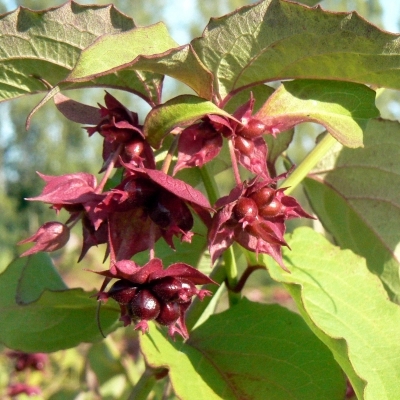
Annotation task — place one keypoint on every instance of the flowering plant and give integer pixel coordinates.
(201, 191)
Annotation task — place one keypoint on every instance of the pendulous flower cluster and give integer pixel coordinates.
(147, 204)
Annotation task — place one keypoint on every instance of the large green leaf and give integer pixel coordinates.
(275, 40)
(343, 108)
(56, 320)
(177, 112)
(348, 309)
(149, 49)
(355, 193)
(37, 275)
(46, 45)
(251, 351)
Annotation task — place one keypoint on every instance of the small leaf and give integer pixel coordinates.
(277, 40)
(251, 351)
(355, 193)
(348, 309)
(342, 108)
(109, 52)
(57, 320)
(180, 111)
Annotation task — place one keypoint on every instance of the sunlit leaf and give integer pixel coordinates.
(276, 40)
(348, 309)
(46, 45)
(342, 108)
(355, 193)
(178, 112)
(253, 350)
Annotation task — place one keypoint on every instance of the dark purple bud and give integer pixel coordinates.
(167, 289)
(245, 209)
(174, 289)
(144, 306)
(134, 148)
(50, 237)
(273, 209)
(122, 291)
(244, 146)
(169, 313)
(263, 197)
(253, 129)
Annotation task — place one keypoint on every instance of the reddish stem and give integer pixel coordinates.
(109, 169)
(235, 167)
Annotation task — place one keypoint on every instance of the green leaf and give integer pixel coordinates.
(276, 40)
(260, 94)
(37, 275)
(57, 320)
(355, 193)
(109, 52)
(342, 108)
(181, 63)
(180, 111)
(348, 309)
(251, 351)
(46, 45)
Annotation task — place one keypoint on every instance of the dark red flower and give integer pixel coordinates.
(254, 215)
(147, 205)
(202, 142)
(154, 293)
(22, 388)
(119, 126)
(24, 361)
(50, 237)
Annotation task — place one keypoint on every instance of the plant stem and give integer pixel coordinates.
(110, 167)
(231, 275)
(209, 184)
(235, 167)
(308, 163)
(144, 386)
(229, 257)
(170, 155)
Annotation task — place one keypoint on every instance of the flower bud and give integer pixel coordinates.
(144, 306)
(50, 237)
(254, 128)
(245, 209)
(169, 313)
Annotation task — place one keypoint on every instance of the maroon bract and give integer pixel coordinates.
(147, 205)
(70, 191)
(51, 236)
(154, 293)
(119, 126)
(254, 215)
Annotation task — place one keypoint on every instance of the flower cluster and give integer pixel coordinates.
(154, 293)
(23, 362)
(148, 204)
